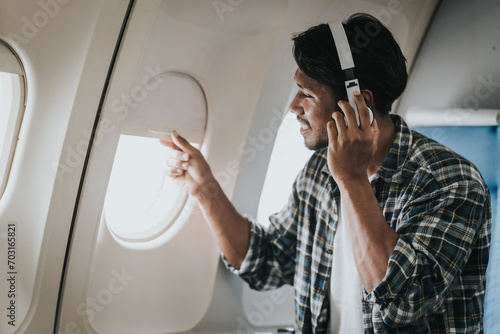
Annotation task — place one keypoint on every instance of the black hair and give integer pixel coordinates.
(380, 66)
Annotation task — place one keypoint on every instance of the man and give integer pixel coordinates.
(386, 231)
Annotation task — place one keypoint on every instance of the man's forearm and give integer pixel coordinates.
(231, 230)
(372, 239)
(188, 167)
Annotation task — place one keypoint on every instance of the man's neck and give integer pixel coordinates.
(386, 139)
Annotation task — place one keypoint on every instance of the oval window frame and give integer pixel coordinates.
(11, 63)
(142, 129)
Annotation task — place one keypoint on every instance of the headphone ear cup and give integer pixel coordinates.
(370, 108)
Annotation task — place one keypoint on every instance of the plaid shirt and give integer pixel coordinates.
(435, 280)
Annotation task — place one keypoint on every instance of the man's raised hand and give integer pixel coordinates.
(187, 166)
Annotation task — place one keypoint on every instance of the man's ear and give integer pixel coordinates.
(367, 95)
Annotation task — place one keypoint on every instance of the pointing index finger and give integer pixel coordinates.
(182, 143)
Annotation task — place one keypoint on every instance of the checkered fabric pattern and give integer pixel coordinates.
(432, 197)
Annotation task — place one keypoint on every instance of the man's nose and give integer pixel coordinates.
(295, 107)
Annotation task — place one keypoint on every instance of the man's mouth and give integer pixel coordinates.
(304, 127)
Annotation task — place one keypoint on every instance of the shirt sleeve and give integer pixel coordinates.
(270, 259)
(437, 234)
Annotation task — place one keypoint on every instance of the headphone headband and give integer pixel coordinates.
(342, 44)
(346, 63)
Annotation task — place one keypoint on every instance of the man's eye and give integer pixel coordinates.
(306, 95)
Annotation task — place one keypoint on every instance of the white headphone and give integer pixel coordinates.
(347, 64)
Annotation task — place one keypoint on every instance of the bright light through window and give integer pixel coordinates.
(141, 201)
(287, 159)
(12, 103)
(4, 109)
(9, 97)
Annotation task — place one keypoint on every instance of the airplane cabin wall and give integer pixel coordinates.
(66, 66)
(458, 68)
(238, 55)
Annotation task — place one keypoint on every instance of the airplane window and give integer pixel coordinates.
(12, 103)
(287, 159)
(141, 202)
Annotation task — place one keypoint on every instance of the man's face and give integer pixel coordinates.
(313, 104)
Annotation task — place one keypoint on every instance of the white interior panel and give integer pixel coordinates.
(458, 69)
(55, 40)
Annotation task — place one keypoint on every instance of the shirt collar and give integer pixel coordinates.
(393, 165)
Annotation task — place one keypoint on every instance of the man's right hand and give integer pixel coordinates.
(188, 167)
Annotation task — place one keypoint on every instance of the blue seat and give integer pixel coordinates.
(481, 145)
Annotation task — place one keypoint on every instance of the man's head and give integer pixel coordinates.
(379, 66)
